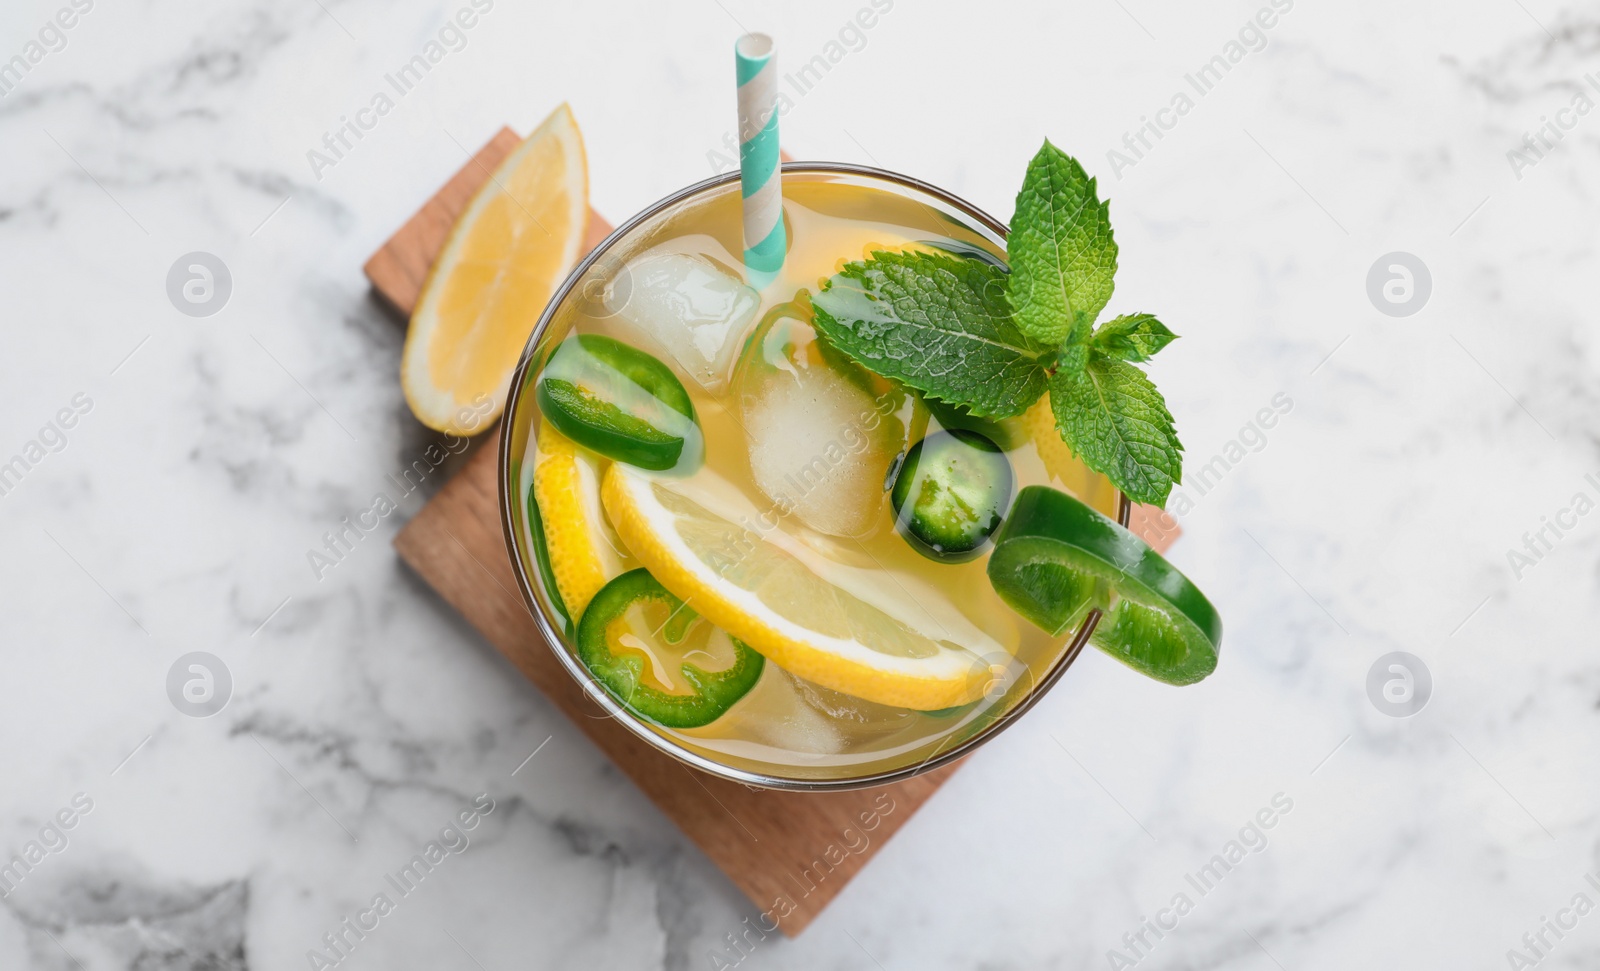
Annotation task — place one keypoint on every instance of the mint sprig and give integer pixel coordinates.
(1062, 254)
(937, 323)
(1116, 421)
(972, 334)
(1133, 337)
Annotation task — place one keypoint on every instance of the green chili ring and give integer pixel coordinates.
(622, 675)
(617, 400)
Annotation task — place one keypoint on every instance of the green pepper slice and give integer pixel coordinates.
(1056, 558)
(713, 692)
(951, 493)
(617, 400)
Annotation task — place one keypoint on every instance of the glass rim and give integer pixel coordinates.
(556, 641)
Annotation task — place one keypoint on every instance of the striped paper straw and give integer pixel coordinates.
(759, 175)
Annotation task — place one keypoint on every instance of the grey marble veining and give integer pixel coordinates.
(1402, 501)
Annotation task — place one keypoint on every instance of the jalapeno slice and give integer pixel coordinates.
(541, 558)
(605, 622)
(1056, 559)
(617, 400)
(951, 493)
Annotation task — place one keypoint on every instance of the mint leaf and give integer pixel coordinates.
(937, 323)
(1074, 356)
(1132, 337)
(1118, 424)
(1062, 254)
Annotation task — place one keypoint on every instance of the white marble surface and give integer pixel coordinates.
(1376, 517)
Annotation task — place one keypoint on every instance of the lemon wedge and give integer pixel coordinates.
(566, 485)
(863, 631)
(511, 248)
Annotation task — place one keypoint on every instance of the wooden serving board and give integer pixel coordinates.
(789, 852)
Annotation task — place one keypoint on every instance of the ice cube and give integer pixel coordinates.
(694, 309)
(855, 717)
(820, 441)
(795, 726)
(775, 716)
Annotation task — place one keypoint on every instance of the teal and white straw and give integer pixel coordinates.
(759, 174)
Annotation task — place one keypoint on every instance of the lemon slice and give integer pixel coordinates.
(863, 631)
(514, 244)
(566, 485)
